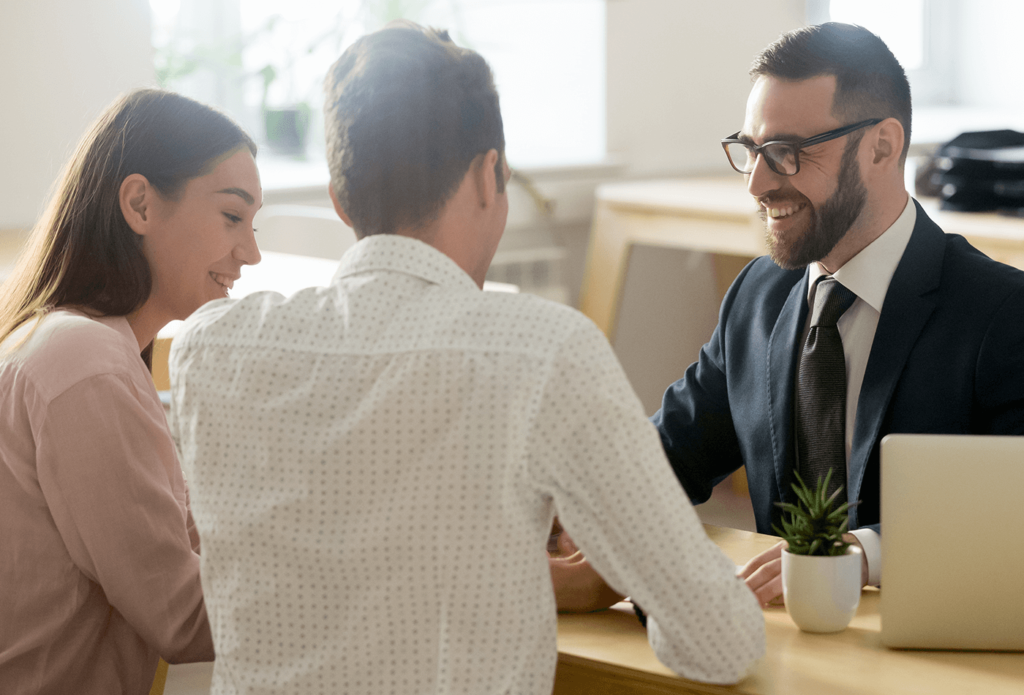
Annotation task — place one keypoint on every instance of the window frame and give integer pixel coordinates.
(934, 84)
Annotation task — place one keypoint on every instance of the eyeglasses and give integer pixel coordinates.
(782, 157)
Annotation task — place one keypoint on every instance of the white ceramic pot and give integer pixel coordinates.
(822, 593)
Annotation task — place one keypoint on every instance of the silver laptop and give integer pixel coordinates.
(953, 542)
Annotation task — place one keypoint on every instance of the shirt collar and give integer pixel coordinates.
(868, 273)
(119, 324)
(403, 254)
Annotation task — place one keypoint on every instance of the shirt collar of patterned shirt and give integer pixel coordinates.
(470, 223)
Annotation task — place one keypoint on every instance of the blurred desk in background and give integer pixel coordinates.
(12, 242)
(717, 215)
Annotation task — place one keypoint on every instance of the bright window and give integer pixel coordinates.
(919, 34)
(547, 57)
(962, 58)
(899, 24)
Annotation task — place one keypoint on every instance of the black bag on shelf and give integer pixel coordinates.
(981, 171)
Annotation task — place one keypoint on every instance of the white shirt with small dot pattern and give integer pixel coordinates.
(375, 467)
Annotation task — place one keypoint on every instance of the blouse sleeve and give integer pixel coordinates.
(112, 482)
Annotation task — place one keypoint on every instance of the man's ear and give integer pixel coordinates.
(888, 142)
(483, 168)
(337, 207)
(136, 197)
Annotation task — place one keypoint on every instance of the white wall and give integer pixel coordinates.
(61, 63)
(677, 84)
(990, 56)
(677, 77)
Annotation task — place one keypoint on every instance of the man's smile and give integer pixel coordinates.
(776, 212)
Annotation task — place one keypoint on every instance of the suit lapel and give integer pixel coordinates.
(904, 313)
(783, 354)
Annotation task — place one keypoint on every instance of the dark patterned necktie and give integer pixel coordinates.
(821, 391)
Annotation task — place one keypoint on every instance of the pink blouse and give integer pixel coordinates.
(99, 563)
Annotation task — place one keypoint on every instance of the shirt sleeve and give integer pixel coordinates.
(111, 479)
(871, 542)
(593, 450)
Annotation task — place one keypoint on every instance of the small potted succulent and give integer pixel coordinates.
(821, 573)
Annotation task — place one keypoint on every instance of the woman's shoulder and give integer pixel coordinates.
(67, 347)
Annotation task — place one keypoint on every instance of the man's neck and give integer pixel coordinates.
(877, 216)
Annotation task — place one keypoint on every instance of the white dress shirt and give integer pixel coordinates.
(867, 275)
(375, 467)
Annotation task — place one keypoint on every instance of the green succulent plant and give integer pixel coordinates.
(813, 526)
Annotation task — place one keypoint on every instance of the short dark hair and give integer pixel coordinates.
(406, 112)
(82, 252)
(870, 82)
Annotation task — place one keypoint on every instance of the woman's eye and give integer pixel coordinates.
(234, 218)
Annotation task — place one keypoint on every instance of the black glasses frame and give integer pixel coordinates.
(757, 150)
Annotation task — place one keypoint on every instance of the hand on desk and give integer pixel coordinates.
(763, 573)
(578, 587)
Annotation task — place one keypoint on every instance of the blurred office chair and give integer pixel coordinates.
(303, 230)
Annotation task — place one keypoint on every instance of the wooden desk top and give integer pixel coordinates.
(612, 645)
(726, 198)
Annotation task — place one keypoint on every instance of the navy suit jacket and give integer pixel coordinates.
(948, 357)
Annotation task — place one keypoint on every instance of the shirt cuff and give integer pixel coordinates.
(640, 614)
(872, 544)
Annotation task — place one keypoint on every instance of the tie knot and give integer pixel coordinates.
(831, 300)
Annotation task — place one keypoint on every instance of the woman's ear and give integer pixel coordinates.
(136, 198)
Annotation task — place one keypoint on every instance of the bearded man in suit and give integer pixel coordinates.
(932, 339)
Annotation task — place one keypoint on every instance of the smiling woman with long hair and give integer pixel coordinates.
(99, 561)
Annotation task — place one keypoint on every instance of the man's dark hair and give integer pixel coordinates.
(406, 112)
(870, 82)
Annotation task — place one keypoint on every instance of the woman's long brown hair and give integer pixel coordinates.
(82, 252)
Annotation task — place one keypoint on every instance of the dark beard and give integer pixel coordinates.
(830, 223)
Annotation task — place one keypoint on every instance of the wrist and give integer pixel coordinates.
(640, 615)
(870, 543)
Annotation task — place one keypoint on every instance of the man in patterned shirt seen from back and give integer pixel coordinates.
(375, 465)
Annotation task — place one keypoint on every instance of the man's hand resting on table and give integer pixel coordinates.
(763, 573)
(578, 587)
